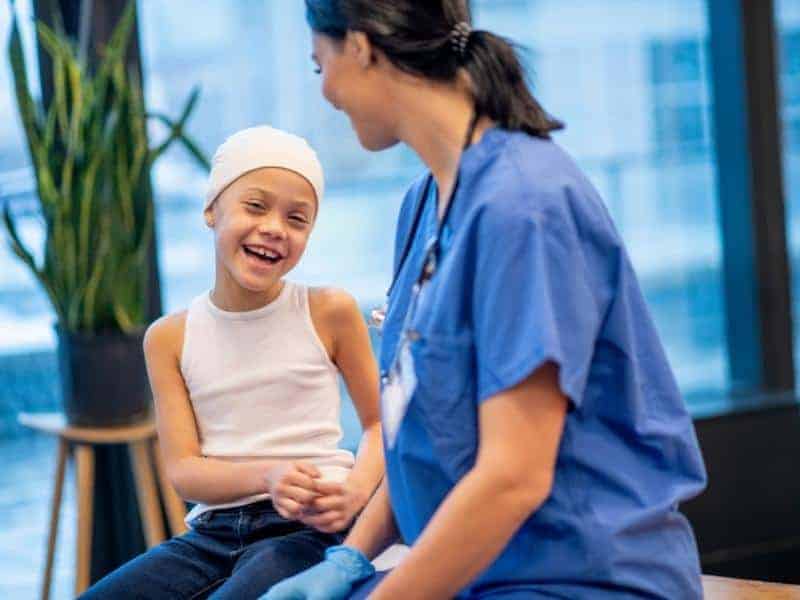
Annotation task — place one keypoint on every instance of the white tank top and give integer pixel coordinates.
(262, 386)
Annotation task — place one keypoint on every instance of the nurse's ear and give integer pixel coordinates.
(358, 44)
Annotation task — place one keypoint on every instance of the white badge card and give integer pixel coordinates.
(397, 394)
(392, 409)
(408, 375)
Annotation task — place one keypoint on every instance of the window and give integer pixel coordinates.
(680, 127)
(25, 313)
(252, 60)
(788, 34)
(629, 79)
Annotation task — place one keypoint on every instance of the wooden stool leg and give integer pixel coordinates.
(176, 509)
(55, 509)
(84, 461)
(146, 491)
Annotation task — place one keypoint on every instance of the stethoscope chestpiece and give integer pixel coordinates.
(377, 316)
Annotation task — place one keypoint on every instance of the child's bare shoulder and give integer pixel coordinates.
(166, 333)
(331, 303)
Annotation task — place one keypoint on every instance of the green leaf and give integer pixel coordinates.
(59, 54)
(16, 243)
(177, 127)
(92, 163)
(103, 249)
(74, 307)
(138, 127)
(189, 145)
(49, 130)
(18, 247)
(28, 110)
(85, 207)
(74, 149)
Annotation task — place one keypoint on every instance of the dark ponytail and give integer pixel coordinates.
(417, 37)
(499, 87)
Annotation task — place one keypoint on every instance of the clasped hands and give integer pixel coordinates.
(298, 493)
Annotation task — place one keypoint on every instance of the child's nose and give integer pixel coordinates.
(272, 225)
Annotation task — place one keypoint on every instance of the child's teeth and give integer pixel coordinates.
(263, 253)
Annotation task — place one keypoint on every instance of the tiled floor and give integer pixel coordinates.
(26, 488)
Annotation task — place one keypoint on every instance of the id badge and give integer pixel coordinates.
(397, 393)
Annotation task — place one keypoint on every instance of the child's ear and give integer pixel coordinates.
(208, 215)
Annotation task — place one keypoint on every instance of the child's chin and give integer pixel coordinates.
(257, 284)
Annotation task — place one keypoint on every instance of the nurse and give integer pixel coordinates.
(536, 443)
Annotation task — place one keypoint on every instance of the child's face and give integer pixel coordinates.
(261, 225)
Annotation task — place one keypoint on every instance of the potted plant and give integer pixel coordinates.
(92, 165)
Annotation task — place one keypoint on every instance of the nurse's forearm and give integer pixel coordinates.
(375, 529)
(467, 533)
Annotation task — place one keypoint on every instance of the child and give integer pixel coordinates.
(246, 392)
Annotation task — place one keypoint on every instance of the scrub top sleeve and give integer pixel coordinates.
(531, 302)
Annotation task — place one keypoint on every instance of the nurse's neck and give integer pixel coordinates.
(434, 122)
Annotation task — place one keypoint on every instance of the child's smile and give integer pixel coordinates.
(262, 255)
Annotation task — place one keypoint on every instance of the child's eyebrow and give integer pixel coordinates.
(302, 204)
(257, 190)
(294, 204)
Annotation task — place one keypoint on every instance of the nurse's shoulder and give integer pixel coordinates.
(536, 179)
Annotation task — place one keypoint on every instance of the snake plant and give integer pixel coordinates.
(92, 162)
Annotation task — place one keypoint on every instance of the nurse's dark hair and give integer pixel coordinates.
(417, 37)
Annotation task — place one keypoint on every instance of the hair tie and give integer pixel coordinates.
(459, 38)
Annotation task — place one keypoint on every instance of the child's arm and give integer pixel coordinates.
(375, 529)
(343, 331)
(207, 480)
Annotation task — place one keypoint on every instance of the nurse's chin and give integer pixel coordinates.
(375, 142)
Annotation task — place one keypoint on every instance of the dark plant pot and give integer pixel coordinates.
(103, 378)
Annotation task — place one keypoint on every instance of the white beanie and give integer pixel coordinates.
(258, 147)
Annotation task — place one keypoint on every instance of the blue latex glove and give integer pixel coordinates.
(331, 579)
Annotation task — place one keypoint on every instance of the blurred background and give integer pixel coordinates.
(668, 110)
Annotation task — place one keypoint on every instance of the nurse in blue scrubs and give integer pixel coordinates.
(536, 443)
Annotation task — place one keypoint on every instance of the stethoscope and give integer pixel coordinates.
(432, 253)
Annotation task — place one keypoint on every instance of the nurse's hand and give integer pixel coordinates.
(292, 488)
(331, 579)
(335, 507)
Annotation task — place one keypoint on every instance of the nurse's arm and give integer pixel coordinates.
(520, 431)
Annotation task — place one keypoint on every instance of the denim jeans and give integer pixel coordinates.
(228, 553)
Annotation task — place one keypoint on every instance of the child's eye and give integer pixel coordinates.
(298, 219)
(317, 70)
(254, 205)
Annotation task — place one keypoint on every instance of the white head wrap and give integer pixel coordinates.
(258, 147)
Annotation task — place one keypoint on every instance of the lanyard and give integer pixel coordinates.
(429, 266)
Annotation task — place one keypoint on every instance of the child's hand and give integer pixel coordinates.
(291, 486)
(335, 506)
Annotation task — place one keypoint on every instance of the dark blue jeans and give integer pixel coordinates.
(229, 553)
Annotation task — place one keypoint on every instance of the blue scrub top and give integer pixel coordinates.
(532, 271)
